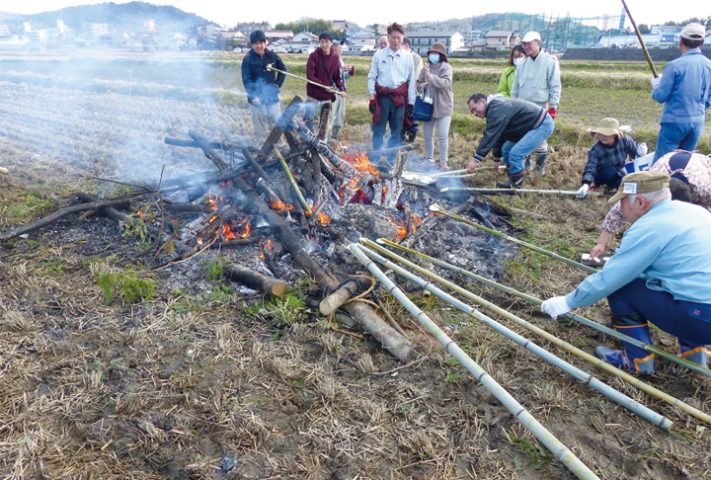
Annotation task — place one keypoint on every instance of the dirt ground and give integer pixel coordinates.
(202, 381)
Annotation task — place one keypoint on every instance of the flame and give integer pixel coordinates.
(280, 206)
(268, 244)
(400, 231)
(323, 219)
(265, 247)
(211, 201)
(359, 161)
(140, 214)
(239, 230)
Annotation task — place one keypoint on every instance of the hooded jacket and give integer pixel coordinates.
(326, 70)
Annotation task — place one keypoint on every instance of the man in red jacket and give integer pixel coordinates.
(323, 67)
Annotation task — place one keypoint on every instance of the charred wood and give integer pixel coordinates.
(281, 126)
(255, 280)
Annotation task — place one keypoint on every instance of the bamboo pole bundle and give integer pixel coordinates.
(570, 315)
(555, 446)
(583, 377)
(553, 255)
(632, 380)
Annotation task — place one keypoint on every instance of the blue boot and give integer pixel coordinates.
(619, 359)
(694, 354)
(635, 359)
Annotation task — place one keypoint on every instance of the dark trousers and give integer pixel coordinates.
(688, 321)
(608, 177)
(389, 115)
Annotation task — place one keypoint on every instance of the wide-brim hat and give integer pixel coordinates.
(606, 126)
(641, 182)
(438, 48)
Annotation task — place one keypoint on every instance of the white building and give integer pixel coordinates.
(421, 41)
(501, 39)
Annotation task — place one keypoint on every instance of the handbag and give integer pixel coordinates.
(422, 109)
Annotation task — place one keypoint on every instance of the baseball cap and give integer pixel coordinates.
(531, 36)
(641, 182)
(693, 31)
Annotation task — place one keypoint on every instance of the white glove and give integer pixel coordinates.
(655, 81)
(555, 307)
(582, 191)
(642, 149)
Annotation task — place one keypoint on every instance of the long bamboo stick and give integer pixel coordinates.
(292, 181)
(459, 218)
(511, 191)
(570, 315)
(555, 446)
(325, 87)
(647, 56)
(632, 380)
(583, 377)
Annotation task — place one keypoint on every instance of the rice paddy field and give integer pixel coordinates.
(201, 381)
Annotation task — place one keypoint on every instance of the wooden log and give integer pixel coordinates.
(282, 124)
(208, 151)
(57, 214)
(342, 295)
(323, 120)
(255, 280)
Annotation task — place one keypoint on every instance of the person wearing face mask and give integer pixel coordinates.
(435, 80)
(516, 58)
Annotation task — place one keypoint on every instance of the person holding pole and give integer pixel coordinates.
(261, 83)
(323, 67)
(685, 90)
(660, 274)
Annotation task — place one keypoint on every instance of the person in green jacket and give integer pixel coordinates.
(516, 57)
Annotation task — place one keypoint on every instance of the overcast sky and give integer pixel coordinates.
(365, 12)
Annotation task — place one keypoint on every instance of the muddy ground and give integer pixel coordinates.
(202, 381)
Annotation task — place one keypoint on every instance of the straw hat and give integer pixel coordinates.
(606, 126)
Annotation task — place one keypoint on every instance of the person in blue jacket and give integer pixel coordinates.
(659, 275)
(261, 83)
(685, 90)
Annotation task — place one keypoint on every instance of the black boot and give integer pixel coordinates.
(515, 181)
(541, 163)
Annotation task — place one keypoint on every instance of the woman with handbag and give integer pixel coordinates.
(435, 85)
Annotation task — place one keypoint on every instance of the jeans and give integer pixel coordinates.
(608, 176)
(673, 136)
(389, 115)
(441, 126)
(515, 153)
(264, 117)
(689, 321)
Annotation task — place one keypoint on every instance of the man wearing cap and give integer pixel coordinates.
(262, 84)
(537, 80)
(391, 86)
(514, 128)
(323, 67)
(660, 274)
(685, 90)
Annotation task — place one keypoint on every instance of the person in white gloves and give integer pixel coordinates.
(685, 91)
(607, 157)
(660, 274)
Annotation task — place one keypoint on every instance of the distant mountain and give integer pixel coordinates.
(121, 17)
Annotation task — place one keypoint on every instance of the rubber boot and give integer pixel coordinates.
(633, 358)
(696, 354)
(541, 164)
(515, 181)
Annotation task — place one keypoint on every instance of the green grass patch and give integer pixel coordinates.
(538, 457)
(25, 207)
(125, 285)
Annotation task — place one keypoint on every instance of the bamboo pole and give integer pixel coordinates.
(570, 315)
(459, 218)
(511, 191)
(647, 56)
(292, 181)
(632, 380)
(325, 87)
(583, 377)
(555, 446)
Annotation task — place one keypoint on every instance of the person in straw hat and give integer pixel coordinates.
(607, 156)
(660, 275)
(685, 90)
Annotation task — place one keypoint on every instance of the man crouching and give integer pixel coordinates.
(514, 128)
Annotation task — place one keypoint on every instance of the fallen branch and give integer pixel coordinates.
(255, 280)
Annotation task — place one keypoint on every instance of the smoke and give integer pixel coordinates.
(105, 113)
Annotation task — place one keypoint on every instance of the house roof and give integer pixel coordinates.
(499, 33)
(429, 34)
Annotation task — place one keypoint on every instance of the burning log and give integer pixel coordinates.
(342, 295)
(255, 280)
(313, 142)
(209, 152)
(294, 185)
(323, 120)
(394, 183)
